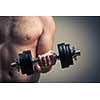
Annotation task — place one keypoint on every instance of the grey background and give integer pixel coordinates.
(84, 34)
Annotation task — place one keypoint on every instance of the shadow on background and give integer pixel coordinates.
(84, 34)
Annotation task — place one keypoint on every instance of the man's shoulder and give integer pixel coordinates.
(48, 23)
(47, 19)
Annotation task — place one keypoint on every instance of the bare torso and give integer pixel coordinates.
(17, 34)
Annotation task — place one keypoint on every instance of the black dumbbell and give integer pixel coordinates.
(66, 56)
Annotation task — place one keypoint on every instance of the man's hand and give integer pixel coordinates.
(46, 61)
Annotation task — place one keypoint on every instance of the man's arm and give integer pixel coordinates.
(45, 42)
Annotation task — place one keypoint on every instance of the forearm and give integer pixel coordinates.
(43, 69)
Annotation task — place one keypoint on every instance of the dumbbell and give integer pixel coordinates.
(26, 63)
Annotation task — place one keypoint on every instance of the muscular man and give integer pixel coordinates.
(22, 33)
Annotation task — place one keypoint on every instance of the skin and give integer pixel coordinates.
(23, 33)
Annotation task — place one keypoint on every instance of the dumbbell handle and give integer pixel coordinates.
(36, 60)
(74, 55)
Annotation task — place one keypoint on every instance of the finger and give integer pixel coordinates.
(48, 60)
(40, 60)
(37, 68)
(52, 58)
(44, 62)
(51, 51)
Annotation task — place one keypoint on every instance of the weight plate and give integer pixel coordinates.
(70, 59)
(26, 63)
(21, 60)
(63, 55)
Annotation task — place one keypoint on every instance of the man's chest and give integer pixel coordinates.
(20, 30)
